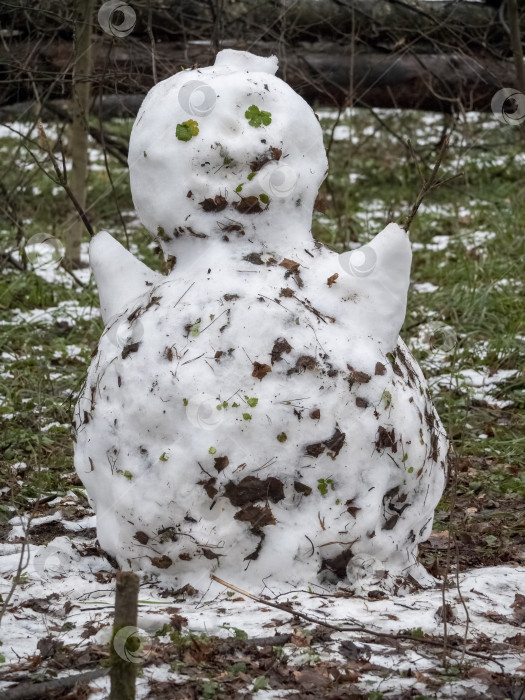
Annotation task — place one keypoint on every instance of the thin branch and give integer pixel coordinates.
(428, 185)
(340, 628)
(62, 179)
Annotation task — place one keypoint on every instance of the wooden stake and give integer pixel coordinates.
(123, 664)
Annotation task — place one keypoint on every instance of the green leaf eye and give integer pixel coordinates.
(257, 117)
(187, 130)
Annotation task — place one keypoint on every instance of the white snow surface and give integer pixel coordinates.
(246, 413)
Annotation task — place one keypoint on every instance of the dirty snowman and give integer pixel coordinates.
(254, 413)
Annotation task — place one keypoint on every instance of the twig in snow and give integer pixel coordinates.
(23, 562)
(340, 628)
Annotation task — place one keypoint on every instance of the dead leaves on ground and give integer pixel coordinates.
(260, 370)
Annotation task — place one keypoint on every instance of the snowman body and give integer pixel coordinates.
(253, 413)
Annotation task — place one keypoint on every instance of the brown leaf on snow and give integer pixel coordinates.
(254, 258)
(286, 292)
(518, 640)
(335, 443)
(209, 554)
(133, 347)
(518, 608)
(163, 562)
(141, 537)
(177, 621)
(300, 639)
(260, 370)
(209, 486)
(302, 488)
(338, 563)
(252, 489)
(380, 368)
(305, 362)
(315, 449)
(445, 612)
(357, 376)
(481, 674)
(39, 605)
(290, 265)
(353, 510)
(280, 345)
(104, 576)
(391, 522)
(331, 280)
(386, 439)
(221, 463)
(217, 204)
(48, 646)
(90, 630)
(258, 516)
(272, 154)
(248, 205)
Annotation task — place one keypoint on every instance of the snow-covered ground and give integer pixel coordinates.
(67, 593)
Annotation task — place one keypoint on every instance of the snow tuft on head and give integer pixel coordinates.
(245, 61)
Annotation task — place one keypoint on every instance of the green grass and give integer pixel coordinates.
(372, 181)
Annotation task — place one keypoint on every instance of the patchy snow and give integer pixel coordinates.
(54, 424)
(424, 287)
(472, 380)
(64, 312)
(68, 592)
(470, 239)
(481, 378)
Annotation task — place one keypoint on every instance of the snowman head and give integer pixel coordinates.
(229, 148)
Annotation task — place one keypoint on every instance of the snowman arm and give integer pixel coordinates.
(120, 277)
(383, 281)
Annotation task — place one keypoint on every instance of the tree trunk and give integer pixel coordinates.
(515, 40)
(79, 129)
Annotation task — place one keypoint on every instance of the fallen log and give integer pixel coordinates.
(30, 691)
(328, 74)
